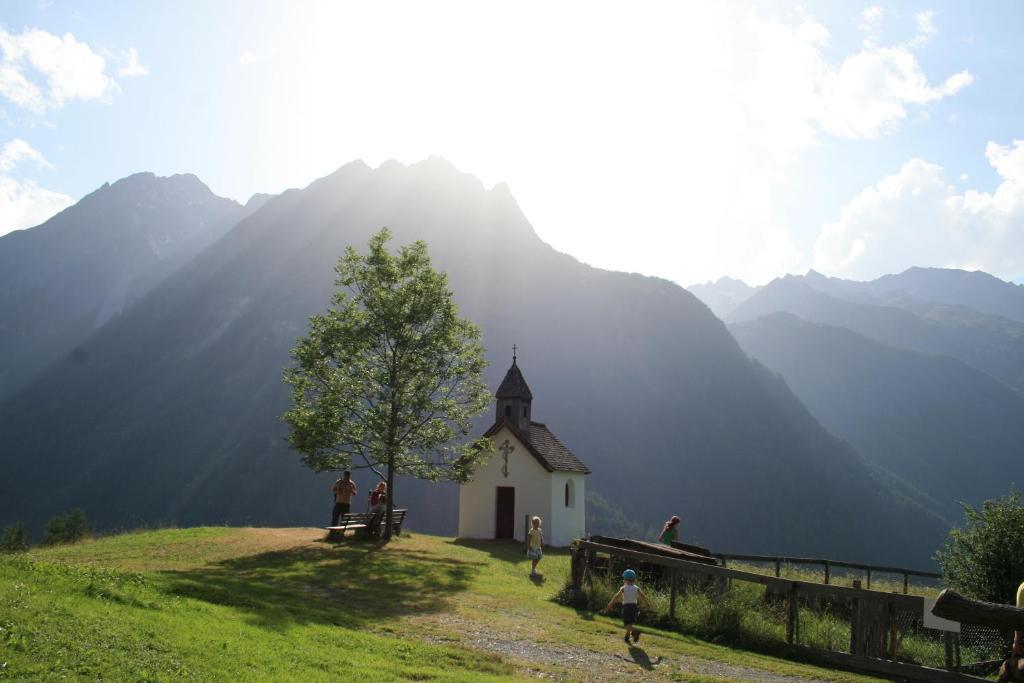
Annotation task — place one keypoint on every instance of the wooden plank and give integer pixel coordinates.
(654, 548)
(696, 549)
(872, 665)
(835, 563)
(913, 603)
(955, 607)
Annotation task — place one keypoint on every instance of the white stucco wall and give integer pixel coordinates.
(478, 498)
(566, 524)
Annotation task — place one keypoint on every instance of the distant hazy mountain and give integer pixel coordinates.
(954, 432)
(723, 295)
(171, 411)
(990, 343)
(64, 279)
(973, 289)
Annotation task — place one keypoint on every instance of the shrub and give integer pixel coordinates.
(985, 559)
(69, 528)
(14, 539)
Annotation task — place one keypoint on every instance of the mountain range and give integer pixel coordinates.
(168, 412)
(66, 278)
(920, 371)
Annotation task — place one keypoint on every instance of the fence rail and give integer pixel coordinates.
(873, 633)
(828, 565)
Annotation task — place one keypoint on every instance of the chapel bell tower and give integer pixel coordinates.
(514, 398)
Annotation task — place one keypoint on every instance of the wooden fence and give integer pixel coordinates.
(873, 632)
(828, 565)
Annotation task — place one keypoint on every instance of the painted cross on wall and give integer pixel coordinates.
(506, 449)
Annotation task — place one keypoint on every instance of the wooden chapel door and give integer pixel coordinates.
(505, 526)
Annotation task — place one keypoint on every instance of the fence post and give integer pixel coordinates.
(778, 567)
(577, 571)
(828, 572)
(793, 622)
(892, 631)
(869, 579)
(672, 596)
(906, 581)
(949, 650)
(855, 644)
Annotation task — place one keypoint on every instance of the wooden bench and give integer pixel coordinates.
(360, 523)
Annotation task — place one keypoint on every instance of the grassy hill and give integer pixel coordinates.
(278, 604)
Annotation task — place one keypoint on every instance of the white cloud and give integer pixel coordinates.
(869, 93)
(250, 57)
(915, 217)
(24, 204)
(17, 150)
(793, 92)
(925, 28)
(39, 70)
(132, 68)
(871, 17)
(871, 22)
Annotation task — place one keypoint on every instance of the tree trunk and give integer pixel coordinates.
(390, 514)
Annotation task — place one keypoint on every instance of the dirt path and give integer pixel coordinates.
(590, 665)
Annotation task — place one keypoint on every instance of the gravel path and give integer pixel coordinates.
(589, 665)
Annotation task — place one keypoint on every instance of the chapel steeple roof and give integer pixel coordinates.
(514, 386)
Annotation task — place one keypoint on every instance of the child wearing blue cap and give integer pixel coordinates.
(630, 595)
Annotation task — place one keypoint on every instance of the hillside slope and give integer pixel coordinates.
(175, 416)
(951, 430)
(219, 604)
(64, 279)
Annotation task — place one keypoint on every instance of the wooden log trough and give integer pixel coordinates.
(955, 607)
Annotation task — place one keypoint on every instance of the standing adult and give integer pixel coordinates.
(670, 532)
(344, 489)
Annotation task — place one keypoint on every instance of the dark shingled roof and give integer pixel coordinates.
(543, 445)
(514, 386)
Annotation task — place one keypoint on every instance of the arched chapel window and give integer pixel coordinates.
(508, 411)
(570, 494)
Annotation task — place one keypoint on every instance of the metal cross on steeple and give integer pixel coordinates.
(514, 354)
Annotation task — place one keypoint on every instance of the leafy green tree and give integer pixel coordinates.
(985, 558)
(389, 377)
(69, 528)
(14, 539)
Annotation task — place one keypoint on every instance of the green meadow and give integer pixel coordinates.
(233, 604)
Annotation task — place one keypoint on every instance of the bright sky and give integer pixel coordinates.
(686, 140)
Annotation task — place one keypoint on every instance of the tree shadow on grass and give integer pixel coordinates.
(349, 586)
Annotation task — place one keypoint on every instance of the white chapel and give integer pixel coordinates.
(531, 474)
